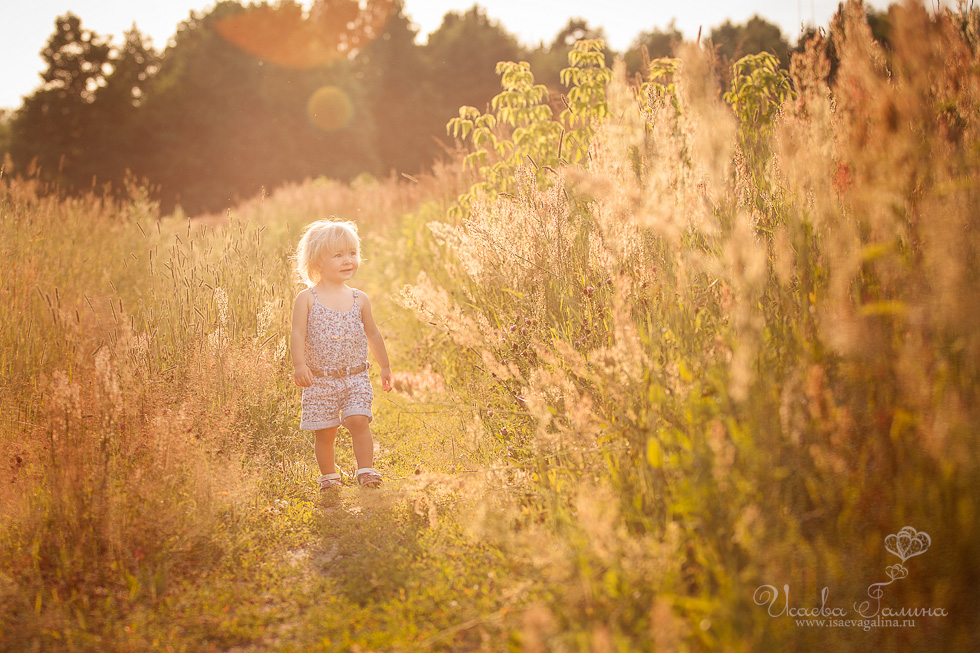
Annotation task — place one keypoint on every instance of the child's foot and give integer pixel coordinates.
(368, 477)
(329, 482)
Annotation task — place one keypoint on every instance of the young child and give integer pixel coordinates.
(332, 330)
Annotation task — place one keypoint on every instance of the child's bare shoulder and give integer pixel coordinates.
(362, 298)
(304, 296)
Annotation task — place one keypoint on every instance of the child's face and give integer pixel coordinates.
(339, 266)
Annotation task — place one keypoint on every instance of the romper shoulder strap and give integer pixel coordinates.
(313, 290)
(355, 296)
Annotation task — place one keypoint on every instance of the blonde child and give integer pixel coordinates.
(333, 327)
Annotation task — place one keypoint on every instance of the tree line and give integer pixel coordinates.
(250, 97)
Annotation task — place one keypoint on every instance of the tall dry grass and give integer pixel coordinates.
(737, 349)
(119, 408)
(148, 415)
(731, 349)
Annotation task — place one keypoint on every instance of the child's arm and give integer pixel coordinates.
(376, 342)
(297, 340)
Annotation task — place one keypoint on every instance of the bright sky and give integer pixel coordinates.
(26, 26)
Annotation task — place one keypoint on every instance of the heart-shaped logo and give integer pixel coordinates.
(908, 543)
(896, 572)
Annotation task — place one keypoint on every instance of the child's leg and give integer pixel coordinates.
(323, 448)
(363, 443)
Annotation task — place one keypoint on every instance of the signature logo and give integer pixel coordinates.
(904, 545)
(907, 543)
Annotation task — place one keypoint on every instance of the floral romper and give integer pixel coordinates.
(335, 340)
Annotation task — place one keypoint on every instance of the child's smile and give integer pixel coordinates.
(340, 266)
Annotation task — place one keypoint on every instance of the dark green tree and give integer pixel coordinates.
(54, 125)
(732, 42)
(880, 23)
(121, 136)
(133, 64)
(5, 117)
(463, 54)
(399, 93)
(226, 122)
(654, 44)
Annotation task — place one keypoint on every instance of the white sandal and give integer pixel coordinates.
(329, 481)
(368, 476)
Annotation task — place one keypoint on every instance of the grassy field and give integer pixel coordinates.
(159, 494)
(668, 396)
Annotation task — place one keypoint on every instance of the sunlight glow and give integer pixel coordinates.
(330, 108)
(290, 36)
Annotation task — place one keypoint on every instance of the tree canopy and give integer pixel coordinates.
(246, 97)
(733, 42)
(56, 126)
(653, 44)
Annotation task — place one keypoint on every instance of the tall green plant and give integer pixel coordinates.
(533, 134)
(759, 88)
(521, 127)
(587, 76)
(736, 386)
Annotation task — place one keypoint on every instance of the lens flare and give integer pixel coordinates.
(330, 108)
(287, 35)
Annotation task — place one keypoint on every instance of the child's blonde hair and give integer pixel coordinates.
(321, 238)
